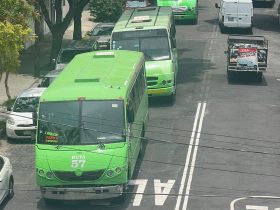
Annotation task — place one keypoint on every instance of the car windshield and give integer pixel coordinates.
(102, 31)
(153, 43)
(26, 104)
(81, 122)
(67, 55)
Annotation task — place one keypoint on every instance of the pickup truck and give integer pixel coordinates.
(246, 54)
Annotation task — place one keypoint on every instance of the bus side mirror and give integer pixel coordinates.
(130, 115)
(216, 5)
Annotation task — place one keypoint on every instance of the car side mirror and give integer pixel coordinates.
(226, 52)
(130, 115)
(9, 108)
(216, 5)
(95, 46)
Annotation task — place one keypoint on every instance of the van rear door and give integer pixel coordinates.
(230, 13)
(245, 14)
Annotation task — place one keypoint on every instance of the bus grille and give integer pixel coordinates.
(86, 175)
(151, 81)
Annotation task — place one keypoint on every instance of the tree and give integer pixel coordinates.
(106, 10)
(14, 31)
(60, 25)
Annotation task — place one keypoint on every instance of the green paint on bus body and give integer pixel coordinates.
(182, 9)
(151, 31)
(86, 147)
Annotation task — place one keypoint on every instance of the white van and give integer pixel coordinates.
(235, 14)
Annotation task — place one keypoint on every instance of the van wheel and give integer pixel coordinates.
(51, 202)
(229, 76)
(11, 191)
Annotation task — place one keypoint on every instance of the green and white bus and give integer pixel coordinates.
(91, 121)
(152, 31)
(183, 9)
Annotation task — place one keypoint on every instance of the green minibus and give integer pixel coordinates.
(152, 31)
(183, 9)
(91, 121)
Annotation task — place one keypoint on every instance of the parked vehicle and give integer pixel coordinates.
(235, 14)
(131, 4)
(49, 78)
(84, 146)
(102, 34)
(183, 9)
(19, 123)
(152, 31)
(6, 179)
(247, 54)
(74, 48)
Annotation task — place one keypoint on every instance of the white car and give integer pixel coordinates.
(6, 179)
(19, 123)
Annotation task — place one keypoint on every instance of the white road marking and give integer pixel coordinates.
(161, 194)
(194, 158)
(250, 207)
(182, 185)
(140, 190)
(232, 203)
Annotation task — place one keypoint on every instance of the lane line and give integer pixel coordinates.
(182, 185)
(185, 204)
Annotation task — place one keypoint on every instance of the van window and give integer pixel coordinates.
(26, 104)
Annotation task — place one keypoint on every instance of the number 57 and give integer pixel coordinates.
(78, 163)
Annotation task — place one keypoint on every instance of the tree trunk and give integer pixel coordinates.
(77, 33)
(6, 85)
(1, 74)
(56, 43)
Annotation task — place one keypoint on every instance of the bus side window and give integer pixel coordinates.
(173, 36)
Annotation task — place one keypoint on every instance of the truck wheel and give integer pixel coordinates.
(229, 76)
(222, 29)
(259, 77)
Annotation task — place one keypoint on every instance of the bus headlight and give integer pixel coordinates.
(109, 173)
(118, 170)
(163, 82)
(41, 172)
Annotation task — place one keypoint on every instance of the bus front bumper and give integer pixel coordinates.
(87, 193)
(161, 91)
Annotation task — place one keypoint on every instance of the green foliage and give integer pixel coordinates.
(106, 10)
(16, 12)
(12, 37)
(15, 16)
(2, 124)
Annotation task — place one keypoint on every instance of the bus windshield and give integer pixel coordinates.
(153, 43)
(81, 122)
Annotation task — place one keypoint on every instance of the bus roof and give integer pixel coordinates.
(100, 75)
(144, 18)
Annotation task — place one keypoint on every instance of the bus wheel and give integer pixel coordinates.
(141, 151)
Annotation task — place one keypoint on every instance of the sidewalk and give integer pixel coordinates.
(24, 78)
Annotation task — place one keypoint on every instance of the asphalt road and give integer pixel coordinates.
(216, 148)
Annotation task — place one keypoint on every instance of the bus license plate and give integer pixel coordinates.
(230, 18)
